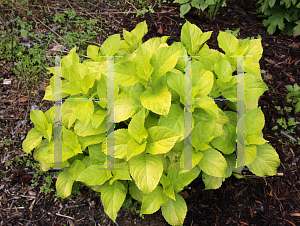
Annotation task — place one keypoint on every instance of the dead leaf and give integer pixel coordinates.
(295, 214)
(78, 29)
(292, 80)
(160, 30)
(56, 48)
(268, 76)
(6, 81)
(23, 100)
(71, 223)
(294, 45)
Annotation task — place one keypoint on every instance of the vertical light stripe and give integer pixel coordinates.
(240, 113)
(110, 113)
(57, 115)
(188, 115)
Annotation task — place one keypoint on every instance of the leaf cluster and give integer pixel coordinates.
(284, 14)
(150, 112)
(295, 93)
(211, 6)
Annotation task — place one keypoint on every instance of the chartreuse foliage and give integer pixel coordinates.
(149, 115)
(284, 14)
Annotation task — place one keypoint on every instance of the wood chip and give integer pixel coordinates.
(23, 100)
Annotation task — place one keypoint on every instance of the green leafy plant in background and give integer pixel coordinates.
(211, 6)
(284, 14)
(295, 93)
(149, 98)
(234, 33)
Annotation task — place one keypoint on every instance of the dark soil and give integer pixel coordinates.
(250, 201)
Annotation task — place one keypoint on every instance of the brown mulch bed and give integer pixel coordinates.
(251, 201)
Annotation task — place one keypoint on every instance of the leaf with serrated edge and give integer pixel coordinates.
(134, 148)
(254, 121)
(266, 161)
(76, 169)
(196, 158)
(255, 139)
(212, 182)
(83, 110)
(120, 139)
(176, 82)
(126, 106)
(203, 79)
(97, 157)
(90, 140)
(159, 101)
(223, 70)
(98, 117)
(203, 133)
(68, 117)
(120, 174)
(64, 184)
(250, 153)
(136, 128)
(93, 175)
(174, 212)
(146, 170)
(226, 142)
(143, 66)
(125, 74)
(163, 60)
(135, 192)
(160, 140)
(227, 42)
(33, 139)
(179, 181)
(112, 197)
(69, 138)
(111, 45)
(174, 120)
(213, 163)
(152, 201)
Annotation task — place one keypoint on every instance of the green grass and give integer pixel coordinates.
(23, 47)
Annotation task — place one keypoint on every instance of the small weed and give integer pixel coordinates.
(234, 33)
(76, 188)
(291, 122)
(281, 121)
(129, 205)
(46, 189)
(295, 93)
(288, 109)
(257, 37)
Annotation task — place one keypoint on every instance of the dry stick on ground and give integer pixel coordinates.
(34, 220)
(288, 136)
(70, 4)
(280, 205)
(48, 27)
(32, 204)
(132, 5)
(86, 11)
(60, 215)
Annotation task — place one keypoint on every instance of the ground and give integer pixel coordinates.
(251, 201)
